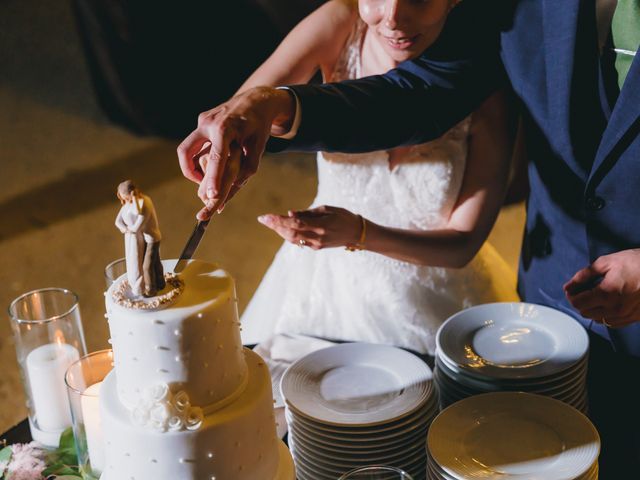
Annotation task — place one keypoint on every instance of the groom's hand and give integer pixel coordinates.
(233, 137)
(615, 300)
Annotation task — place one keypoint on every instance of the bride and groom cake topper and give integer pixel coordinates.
(145, 285)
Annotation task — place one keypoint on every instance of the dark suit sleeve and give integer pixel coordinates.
(414, 103)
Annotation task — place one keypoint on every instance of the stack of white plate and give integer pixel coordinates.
(512, 347)
(512, 436)
(358, 404)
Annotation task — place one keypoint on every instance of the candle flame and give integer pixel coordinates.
(58, 337)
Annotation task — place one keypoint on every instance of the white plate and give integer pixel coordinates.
(412, 451)
(461, 388)
(364, 449)
(415, 462)
(512, 341)
(357, 384)
(426, 413)
(513, 436)
(577, 371)
(359, 443)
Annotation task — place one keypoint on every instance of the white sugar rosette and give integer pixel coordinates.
(140, 416)
(162, 411)
(175, 424)
(194, 419)
(181, 401)
(159, 393)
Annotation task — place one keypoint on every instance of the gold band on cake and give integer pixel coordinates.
(174, 288)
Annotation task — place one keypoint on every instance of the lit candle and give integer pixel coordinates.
(46, 366)
(90, 401)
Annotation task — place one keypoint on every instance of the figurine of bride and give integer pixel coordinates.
(138, 221)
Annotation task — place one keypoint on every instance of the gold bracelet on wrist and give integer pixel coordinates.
(363, 237)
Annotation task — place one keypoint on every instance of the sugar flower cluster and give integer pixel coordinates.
(27, 462)
(164, 411)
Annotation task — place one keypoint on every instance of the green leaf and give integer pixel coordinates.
(5, 456)
(61, 469)
(63, 460)
(66, 439)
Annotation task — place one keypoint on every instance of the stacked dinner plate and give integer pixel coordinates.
(358, 404)
(512, 347)
(512, 436)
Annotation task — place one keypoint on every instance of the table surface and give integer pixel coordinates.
(17, 434)
(20, 433)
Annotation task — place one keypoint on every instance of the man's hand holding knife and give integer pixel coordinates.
(225, 149)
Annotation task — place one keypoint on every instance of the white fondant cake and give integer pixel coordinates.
(193, 345)
(185, 400)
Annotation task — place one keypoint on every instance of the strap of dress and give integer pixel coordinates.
(348, 65)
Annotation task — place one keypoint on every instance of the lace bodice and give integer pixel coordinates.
(420, 193)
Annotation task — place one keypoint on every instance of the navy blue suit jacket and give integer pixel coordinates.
(584, 153)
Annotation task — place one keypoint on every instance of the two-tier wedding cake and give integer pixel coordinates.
(185, 400)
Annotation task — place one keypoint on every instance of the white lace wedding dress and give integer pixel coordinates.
(365, 296)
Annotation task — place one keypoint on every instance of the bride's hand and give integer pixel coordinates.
(233, 137)
(322, 227)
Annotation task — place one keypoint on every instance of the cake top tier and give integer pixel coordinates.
(207, 283)
(191, 345)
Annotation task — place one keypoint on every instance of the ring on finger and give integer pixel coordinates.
(605, 323)
(302, 242)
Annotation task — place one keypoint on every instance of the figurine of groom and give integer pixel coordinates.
(138, 221)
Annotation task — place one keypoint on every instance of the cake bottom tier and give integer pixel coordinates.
(237, 442)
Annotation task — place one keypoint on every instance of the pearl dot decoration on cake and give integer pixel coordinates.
(106, 315)
(199, 315)
(209, 455)
(176, 332)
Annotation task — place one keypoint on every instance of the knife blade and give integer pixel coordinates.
(192, 245)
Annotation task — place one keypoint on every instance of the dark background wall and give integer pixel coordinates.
(156, 65)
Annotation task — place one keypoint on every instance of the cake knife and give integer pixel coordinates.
(192, 245)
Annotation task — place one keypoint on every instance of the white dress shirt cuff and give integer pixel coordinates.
(293, 131)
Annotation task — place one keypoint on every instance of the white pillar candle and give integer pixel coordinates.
(90, 401)
(46, 366)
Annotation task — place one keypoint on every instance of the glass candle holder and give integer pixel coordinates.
(114, 270)
(47, 329)
(84, 379)
(376, 472)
